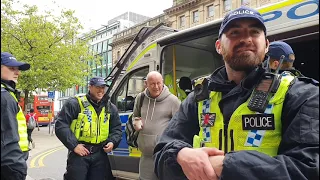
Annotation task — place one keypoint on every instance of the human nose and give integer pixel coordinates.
(246, 38)
(17, 71)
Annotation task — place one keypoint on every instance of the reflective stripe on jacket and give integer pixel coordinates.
(89, 127)
(22, 126)
(213, 132)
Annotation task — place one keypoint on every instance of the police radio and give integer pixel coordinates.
(264, 90)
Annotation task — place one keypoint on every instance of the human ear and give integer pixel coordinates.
(218, 46)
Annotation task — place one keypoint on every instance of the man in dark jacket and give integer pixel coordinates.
(89, 127)
(217, 135)
(14, 141)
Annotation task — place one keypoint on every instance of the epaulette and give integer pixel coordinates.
(309, 80)
(201, 91)
(85, 102)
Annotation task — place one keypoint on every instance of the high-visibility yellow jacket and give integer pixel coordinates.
(89, 127)
(247, 130)
(22, 126)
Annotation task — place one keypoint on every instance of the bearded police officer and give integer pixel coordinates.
(89, 127)
(243, 122)
(14, 138)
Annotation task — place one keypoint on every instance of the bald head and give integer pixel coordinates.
(154, 83)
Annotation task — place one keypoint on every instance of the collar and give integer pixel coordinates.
(11, 85)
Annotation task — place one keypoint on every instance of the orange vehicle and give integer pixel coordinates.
(43, 108)
(21, 103)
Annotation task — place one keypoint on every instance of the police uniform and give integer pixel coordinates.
(14, 142)
(248, 139)
(279, 48)
(84, 121)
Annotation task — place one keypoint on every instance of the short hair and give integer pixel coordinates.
(31, 110)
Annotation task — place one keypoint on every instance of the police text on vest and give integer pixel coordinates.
(258, 122)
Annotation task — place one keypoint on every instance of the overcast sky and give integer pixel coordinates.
(94, 13)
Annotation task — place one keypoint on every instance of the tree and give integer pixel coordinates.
(51, 44)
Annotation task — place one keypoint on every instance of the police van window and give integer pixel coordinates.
(132, 85)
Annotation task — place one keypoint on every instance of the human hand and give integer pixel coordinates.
(137, 123)
(195, 162)
(108, 147)
(81, 150)
(217, 164)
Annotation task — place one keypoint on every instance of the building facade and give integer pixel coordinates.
(182, 15)
(100, 45)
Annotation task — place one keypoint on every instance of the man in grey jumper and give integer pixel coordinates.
(158, 107)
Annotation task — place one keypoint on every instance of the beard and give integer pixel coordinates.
(242, 61)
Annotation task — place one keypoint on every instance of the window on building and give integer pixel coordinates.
(104, 58)
(109, 47)
(105, 46)
(227, 5)
(104, 71)
(182, 21)
(195, 16)
(109, 60)
(245, 2)
(94, 48)
(99, 71)
(210, 11)
(99, 47)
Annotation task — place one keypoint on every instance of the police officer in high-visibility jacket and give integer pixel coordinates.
(89, 127)
(14, 138)
(243, 122)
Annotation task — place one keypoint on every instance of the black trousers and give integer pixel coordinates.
(29, 131)
(8, 173)
(95, 166)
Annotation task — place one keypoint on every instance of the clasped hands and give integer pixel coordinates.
(201, 163)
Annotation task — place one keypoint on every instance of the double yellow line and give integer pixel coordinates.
(39, 158)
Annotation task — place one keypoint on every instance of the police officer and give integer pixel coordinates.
(89, 127)
(276, 50)
(216, 134)
(14, 138)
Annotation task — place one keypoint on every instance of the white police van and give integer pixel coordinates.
(192, 53)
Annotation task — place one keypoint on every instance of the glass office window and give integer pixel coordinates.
(109, 57)
(105, 46)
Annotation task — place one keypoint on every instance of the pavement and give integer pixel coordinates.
(43, 142)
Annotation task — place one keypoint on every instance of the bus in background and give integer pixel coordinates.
(43, 108)
(21, 103)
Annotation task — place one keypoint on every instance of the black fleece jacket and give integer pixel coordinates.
(70, 111)
(298, 153)
(12, 158)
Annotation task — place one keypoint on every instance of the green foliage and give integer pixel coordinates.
(49, 43)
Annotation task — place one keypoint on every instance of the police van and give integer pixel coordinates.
(191, 53)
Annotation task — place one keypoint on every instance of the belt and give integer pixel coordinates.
(92, 148)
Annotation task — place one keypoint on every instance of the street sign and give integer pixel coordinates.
(51, 94)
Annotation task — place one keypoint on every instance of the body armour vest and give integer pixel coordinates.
(247, 130)
(89, 127)
(22, 125)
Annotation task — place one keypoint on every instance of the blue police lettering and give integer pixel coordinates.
(292, 12)
(258, 122)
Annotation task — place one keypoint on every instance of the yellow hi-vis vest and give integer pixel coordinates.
(168, 81)
(22, 126)
(89, 127)
(238, 136)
